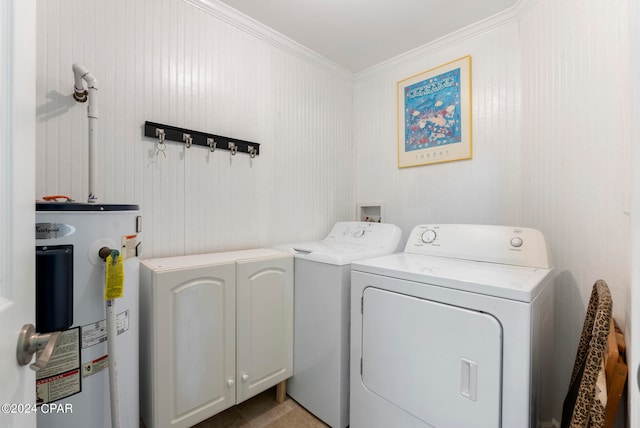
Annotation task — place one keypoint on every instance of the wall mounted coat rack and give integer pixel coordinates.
(189, 137)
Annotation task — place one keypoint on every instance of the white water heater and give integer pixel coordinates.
(70, 291)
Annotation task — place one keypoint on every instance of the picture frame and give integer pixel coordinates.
(434, 115)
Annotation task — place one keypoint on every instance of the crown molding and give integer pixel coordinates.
(507, 16)
(522, 7)
(233, 17)
(237, 19)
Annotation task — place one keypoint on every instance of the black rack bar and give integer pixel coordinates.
(198, 138)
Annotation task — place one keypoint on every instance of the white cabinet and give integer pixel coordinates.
(215, 330)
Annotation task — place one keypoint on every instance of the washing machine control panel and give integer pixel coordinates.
(359, 233)
(487, 243)
(365, 233)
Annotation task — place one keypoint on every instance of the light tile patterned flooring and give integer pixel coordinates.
(262, 411)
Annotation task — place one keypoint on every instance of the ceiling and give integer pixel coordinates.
(357, 34)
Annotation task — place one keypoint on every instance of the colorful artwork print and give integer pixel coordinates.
(434, 115)
(432, 112)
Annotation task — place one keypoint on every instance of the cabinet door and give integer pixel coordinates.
(264, 324)
(195, 340)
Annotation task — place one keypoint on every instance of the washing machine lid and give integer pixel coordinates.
(349, 241)
(491, 279)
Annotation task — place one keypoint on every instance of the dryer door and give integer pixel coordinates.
(440, 363)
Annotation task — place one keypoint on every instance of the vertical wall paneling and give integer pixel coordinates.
(172, 61)
(576, 141)
(482, 190)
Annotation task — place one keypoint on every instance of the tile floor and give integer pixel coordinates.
(262, 411)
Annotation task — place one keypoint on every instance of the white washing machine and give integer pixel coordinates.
(454, 332)
(322, 271)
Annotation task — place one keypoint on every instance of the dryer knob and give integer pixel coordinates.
(429, 236)
(358, 233)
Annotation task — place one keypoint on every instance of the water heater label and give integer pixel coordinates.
(53, 230)
(95, 366)
(61, 377)
(128, 246)
(96, 332)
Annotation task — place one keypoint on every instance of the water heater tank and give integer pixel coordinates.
(73, 390)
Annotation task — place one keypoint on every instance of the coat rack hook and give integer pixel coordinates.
(252, 151)
(233, 147)
(187, 139)
(160, 148)
(212, 144)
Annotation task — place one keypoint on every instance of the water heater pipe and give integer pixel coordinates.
(80, 94)
(112, 334)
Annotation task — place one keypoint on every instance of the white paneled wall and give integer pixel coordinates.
(485, 189)
(171, 62)
(576, 143)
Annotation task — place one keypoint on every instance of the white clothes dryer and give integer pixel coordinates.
(322, 272)
(454, 332)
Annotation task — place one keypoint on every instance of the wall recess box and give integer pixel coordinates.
(370, 211)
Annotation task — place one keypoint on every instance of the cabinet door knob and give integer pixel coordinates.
(230, 382)
(245, 377)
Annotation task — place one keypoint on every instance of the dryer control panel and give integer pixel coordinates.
(518, 246)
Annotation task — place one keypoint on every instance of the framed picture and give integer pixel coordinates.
(434, 115)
